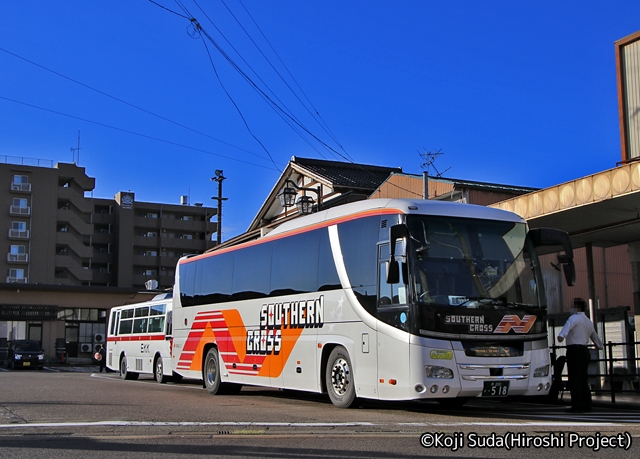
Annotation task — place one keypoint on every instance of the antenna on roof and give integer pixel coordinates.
(429, 158)
(73, 151)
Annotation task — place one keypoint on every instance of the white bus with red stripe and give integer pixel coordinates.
(139, 339)
(389, 299)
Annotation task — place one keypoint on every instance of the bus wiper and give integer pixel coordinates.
(422, 248)
(485, 302)
(488, 302)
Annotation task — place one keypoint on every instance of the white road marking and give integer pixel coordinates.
(305, 424)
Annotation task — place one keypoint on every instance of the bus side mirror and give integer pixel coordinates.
(393, 269)
(544, 237)
(393, 272)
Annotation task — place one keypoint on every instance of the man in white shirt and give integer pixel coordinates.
(578, 330)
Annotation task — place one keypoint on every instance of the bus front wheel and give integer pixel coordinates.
(211, 372)
(339, 378)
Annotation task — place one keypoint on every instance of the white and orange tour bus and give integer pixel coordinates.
(389, 299)
(139, 339)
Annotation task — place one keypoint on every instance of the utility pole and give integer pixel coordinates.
(219, 178)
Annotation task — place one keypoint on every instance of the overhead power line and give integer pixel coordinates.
(202, 33)
(135, 133)
(128, 103)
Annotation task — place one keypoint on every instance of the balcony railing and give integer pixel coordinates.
(16, 280)
(19, 234)
(18, 210)
(20, 186)
(18, 257)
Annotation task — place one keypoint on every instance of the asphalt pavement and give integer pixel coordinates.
(620, 400)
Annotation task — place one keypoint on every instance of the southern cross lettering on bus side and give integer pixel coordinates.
(264, 341)
(275, 316)
(293, 317)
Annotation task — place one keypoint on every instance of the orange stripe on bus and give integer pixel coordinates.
(294, 232)
(231, 341)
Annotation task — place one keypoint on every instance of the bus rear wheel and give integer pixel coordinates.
(124, 373)
(159, 371)
(339, 378)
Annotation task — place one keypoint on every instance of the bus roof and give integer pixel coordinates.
(401, 206)
(372, 207)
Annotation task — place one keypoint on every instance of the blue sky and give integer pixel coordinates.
(520, 93)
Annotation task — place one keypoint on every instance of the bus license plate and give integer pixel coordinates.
(26, 364)
(495, 389)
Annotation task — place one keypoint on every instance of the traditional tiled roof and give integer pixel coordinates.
(347, 175)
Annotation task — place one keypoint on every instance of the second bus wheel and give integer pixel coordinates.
(124, 373)
(339, 378)
(159, 371)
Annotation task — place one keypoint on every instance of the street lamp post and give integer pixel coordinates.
(219, 178)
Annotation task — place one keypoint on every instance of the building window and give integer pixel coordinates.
(17, 249)
(16, 273)
(18, 253)
(149, 272)
(19, 226)
(20, 183)
(20, 202)
(151, 234)
(151, 253)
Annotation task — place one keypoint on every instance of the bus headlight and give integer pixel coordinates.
(438, 372)
(541, 372)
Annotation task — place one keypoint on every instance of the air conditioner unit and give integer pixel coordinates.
(98, 338)
(85, 347)
(151, 284)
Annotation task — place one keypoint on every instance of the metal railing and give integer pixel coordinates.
(22, 161)
(20, 186)
(611, 377)
(18, 257)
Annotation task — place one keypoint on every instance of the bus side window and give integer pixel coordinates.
(112, 328)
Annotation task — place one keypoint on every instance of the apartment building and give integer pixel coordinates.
(55, 233)
(70, 256)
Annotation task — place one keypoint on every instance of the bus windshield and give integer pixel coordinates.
(465, 263)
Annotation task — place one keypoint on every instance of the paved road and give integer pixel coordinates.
(84, 414)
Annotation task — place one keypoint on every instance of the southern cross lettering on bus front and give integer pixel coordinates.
(463, 320)
(508, 323)
(276, 316)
